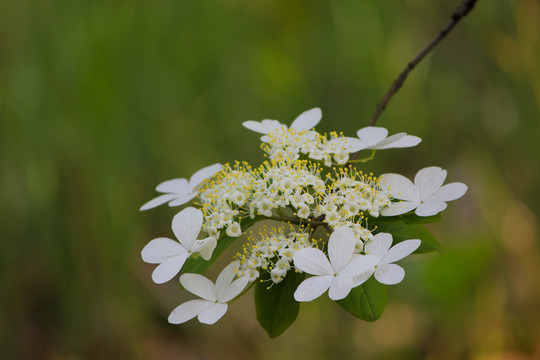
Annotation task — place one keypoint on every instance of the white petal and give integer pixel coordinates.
(340, 287)
(226, 277)
(406, 141)
(187, 311)
(182, 199)
(313, 261)
(205, 247)
(313, 287)
(209, 315)
(362, 278)
(388, 142)
(400, 187)
(160, 200)
(400, 140)
(233, 290)
(449, 192)
(379, 245)
(389, 274)
(400, 250)
(160, 249)
(263, 127)
(307, 120)
(430, 208)
(399, 208)
(265, 138)
(198, 285)
(360, 265)
(186, 226)
(341, 247)
(203, 174)
(429, 180)
(355, 145)
(169, 268)
(177, 186)
(372, 135)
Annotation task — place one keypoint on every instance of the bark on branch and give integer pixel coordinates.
(461, 11)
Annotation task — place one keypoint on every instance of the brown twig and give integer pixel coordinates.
(462, 10)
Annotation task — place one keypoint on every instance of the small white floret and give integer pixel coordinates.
(213, 304)
(375, 138)
(180, 191)
(334, 274)
(304, 122)
(426, 195)
(171, 255)
(385, 271)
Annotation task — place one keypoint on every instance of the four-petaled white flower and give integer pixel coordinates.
(385, 271)
(375, 138)
(335, 275)
(180, 191)
(171, 255)
(213, 304)
(304, 122)
(426, 195)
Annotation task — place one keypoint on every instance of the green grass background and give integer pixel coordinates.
(102, 100)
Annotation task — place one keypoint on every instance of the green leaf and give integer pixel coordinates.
(196, 264)
(275, 306)
(402, 231)
(366, 301)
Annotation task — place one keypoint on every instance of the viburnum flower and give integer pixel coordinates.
(426, 195)
(213, 304)
(171, 255)
(375, 138)
(335, 275)
(180, 191)
(385, 271)
(304, 122)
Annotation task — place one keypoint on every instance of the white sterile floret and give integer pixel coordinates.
(171, 255)
(426, 195)
(375, 138)
(180, 191)
(385, 271)
(335, 275)
(304, 122)
(213, 304)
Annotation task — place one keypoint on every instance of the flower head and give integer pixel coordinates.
(180, 191)
(213, 304)
(171, 255)
(385, 271)
(336, 274)
(375, 138)
(426, 195)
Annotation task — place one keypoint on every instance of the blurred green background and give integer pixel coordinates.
(102, 100)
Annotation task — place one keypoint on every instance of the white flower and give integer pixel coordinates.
(180, 191)
(385, 271)
(426, 195)
(304, 122)
(214, 297)
(335, 275)
(375, 138)
(171, 255)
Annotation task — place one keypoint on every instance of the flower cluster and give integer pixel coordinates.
(329, 224)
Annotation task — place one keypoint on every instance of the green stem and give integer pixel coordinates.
(362, 160)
